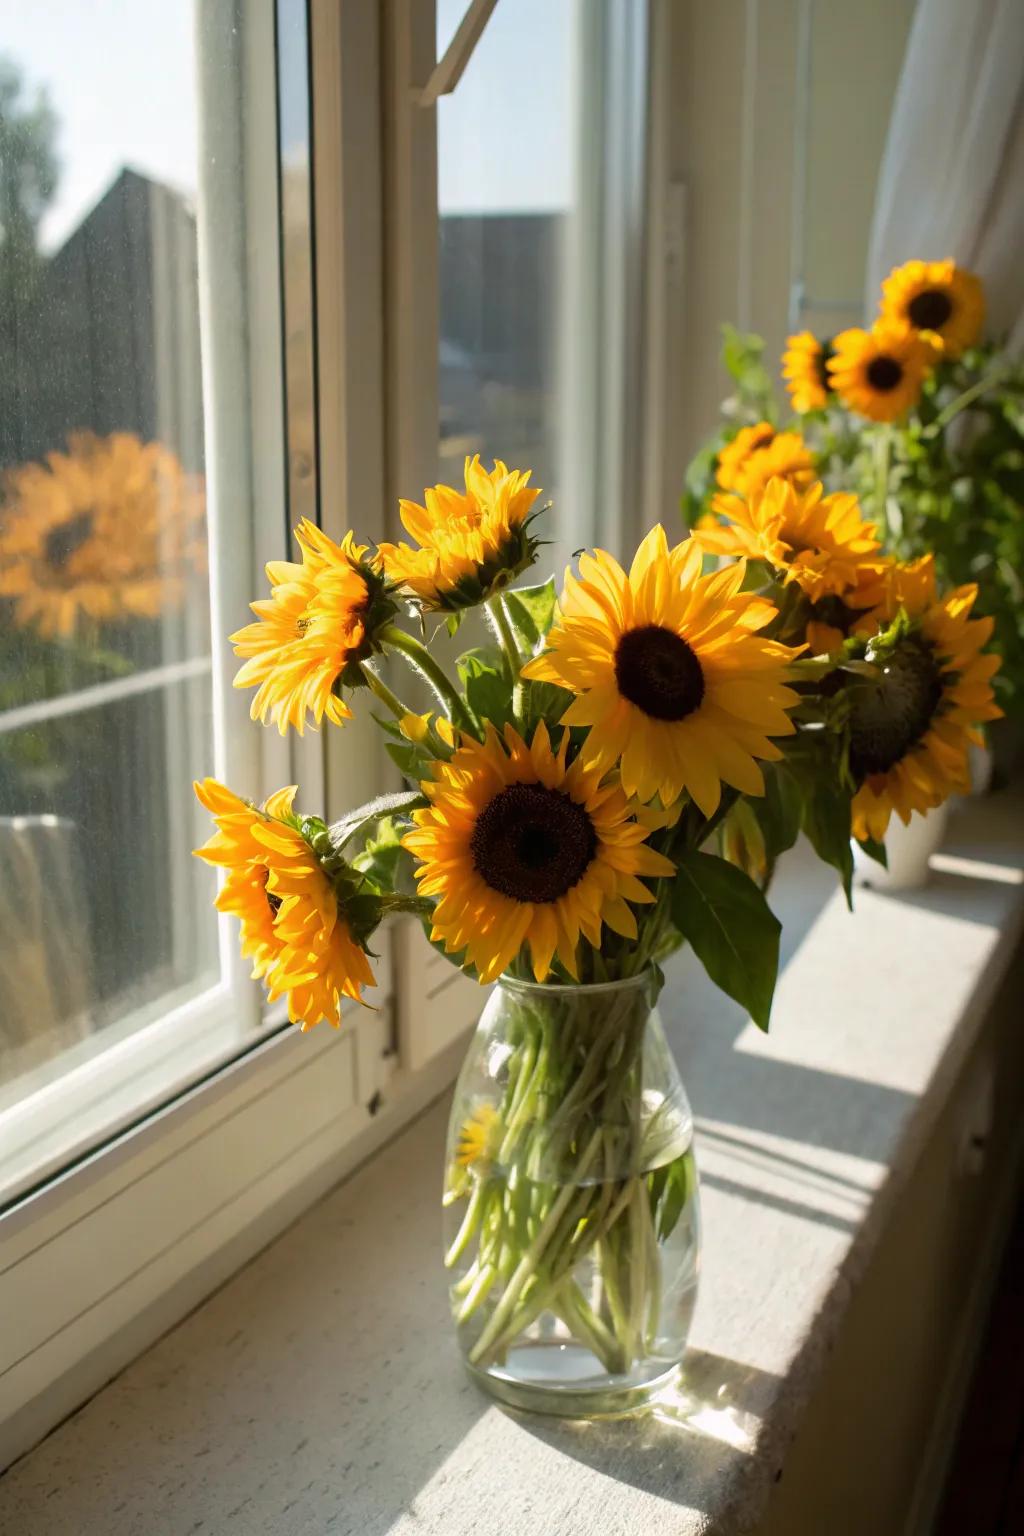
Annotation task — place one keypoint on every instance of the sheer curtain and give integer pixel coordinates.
(952, 176)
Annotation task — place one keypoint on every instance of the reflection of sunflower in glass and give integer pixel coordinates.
(477, 1136)
(321, 617)
(473, 542)
(910, 727)
(755, 454)
(521, 848)
(939, 297)
(805, 370)
(677, 688)
(879, 373)
(110, 530)
(292, 926)
(815, 540)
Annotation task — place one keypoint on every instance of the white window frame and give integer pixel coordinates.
(154, 1219)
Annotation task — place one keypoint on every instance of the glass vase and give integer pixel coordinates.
(572, 1228)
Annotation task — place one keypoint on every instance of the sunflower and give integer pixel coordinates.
(477, 1136)
(110, 530)
(834, 618)
(815, 540)
(293, 925)
(321, 619)
(755, 454)
(805, 370)
(473, 542)
(879, 373)
(671, 678)
(938, 297)
(522, 848)
(910, 727)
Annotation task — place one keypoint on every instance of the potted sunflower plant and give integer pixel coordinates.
(560, 835)
(920, 423)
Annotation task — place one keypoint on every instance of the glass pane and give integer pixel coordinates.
(506, 168)
(106, 693)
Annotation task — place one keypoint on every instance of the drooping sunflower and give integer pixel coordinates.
(879, 373)
(112, 529)
(522, 847)
(755, 454)
(808, 537)
(321, 619)
(472, 542)
(293, 925)
(805, 370)
(938, 297)
(671, 677)
(910, 727)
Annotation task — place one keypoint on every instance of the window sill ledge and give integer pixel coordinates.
(319, 1389)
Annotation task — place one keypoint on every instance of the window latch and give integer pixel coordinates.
(449, 69)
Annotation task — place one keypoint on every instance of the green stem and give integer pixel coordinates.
(528, 1263)
(882, 451)
(420, 659)
(962, 401)
(389, 699)
(498, 615)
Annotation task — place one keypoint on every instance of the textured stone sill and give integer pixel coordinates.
(319, 1391)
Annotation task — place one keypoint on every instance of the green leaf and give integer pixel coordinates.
(827, 824)
(363, 817)
(730, 926)
(779, 811)
(676, 1194)
(485, 683)
(531, 611)
(453, 621)
(875, 850)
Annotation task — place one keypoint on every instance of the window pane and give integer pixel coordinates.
(106, 677)
(539, 154)
(505, 188)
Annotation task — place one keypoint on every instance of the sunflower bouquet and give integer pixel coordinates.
(918, 417)
(611, 772)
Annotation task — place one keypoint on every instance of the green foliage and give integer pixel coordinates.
(384, 862)
(743, 356)
(826, 799)
(485, 683)
(874, 850)
(731, 928)
(779, 810)
(668, 1188)
(531, 612)
(359, 821)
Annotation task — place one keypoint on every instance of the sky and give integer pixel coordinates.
(121, 77)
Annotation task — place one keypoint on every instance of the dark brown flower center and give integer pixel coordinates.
(893, 711)
(657, 671)
(764, 439)
(821, 362)
(884, 373)
(62, 542)
(930, 310)
(532, 843)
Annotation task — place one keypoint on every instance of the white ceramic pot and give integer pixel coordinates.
(982, 764)
(908, 850)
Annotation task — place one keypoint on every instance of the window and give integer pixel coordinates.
(540, 200)
(263, 311)
(141, 385)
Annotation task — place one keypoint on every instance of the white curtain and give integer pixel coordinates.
(952, 176)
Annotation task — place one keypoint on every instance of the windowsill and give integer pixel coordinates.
(319, 1390)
